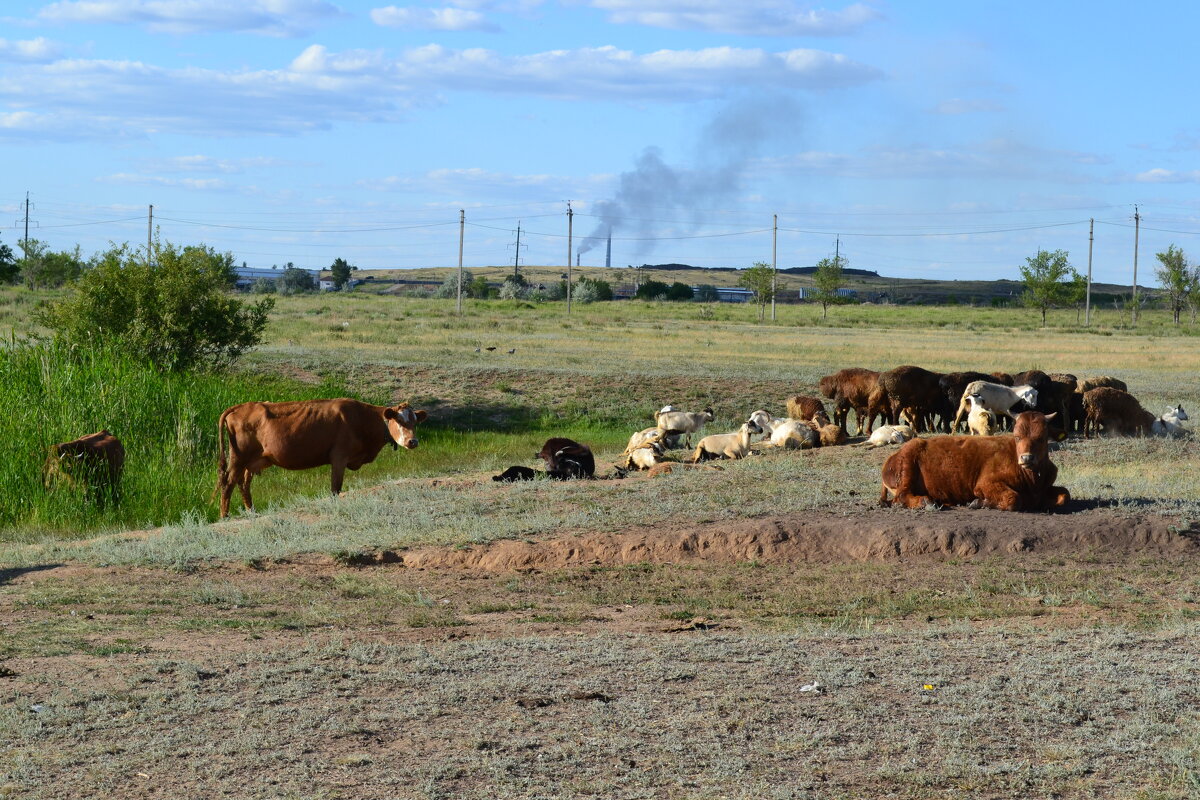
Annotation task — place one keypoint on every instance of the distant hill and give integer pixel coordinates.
(862, 273)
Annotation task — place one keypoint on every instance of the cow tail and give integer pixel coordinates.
(222, 456)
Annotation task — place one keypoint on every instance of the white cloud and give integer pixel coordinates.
(224, 166)
(267, 17)
(198, 184)
(1159, 175)
(29, 50)
(763, 18)
(320, 88)
(432, 19)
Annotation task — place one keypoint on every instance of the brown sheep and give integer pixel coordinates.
(1076, 400)
(850, 388)
(915, 389)
(831, 435)
(1118, 412)
(804, 407)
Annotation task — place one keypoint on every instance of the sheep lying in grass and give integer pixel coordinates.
(888, 434)
(644, 457)
(726, 445)
(1170, 424)
(647, 435)
(790, 433)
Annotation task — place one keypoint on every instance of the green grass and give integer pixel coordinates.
(166, 422)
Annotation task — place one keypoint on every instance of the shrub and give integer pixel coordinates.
(449, 287)
(679, 291)
(585, 292)
(296, 281)
(42, 269)
(652, 290)
(263, 286)
(177, 312)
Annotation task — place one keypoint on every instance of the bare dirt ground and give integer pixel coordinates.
(958, 654)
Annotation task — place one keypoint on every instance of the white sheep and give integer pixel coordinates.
(646, 456)
(889, 434)
(726, 445)
(1170, 424)
(981, 422)
(683, 422)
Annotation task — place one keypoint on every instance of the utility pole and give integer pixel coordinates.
(462, 226)
(774, 266)
(1087, 307)
(25, 241)
(570, 231)
(1137, 221)
(149, 233)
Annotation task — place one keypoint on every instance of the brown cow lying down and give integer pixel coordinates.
(95, 460)
(343, 433)
(1013, 473)
(566, 459)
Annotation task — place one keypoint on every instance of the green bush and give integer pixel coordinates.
(178, 312)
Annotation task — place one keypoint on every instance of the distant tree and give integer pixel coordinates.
(602, 290)
(178, 311)
(1077, 293)
(680, 292)
(827, 280)
(42, 268)
(449, 287)
(1178, 280)
(652, 290)
(707, 293)
(1048, 278)
(263, 286)
(584, 292)
(296, 281)
(9, 268)
(760, 280)
(339, 272)
(513, 288)
(480, 288)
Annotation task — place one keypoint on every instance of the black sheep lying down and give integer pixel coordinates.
(566, 459)
(514, 473)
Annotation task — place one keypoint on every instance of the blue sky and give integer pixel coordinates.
(937, 140)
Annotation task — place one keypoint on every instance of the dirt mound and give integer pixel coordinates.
(876, 536)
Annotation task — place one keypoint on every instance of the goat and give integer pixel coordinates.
(726, 445)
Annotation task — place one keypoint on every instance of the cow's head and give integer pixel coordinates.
(401, 423)
(1028, 394)
(1032, 435)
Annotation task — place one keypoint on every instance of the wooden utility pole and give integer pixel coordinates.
(774, 267)
(149, 233)
(1087, 307)
(570, 231)
(462, 227)
(1137, 221)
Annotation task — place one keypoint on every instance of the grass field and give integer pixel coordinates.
(646, 638)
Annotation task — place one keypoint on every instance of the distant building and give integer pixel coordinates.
(807, 292)
(246, 276)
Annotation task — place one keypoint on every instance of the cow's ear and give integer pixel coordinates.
(391, 413)
(420, 415)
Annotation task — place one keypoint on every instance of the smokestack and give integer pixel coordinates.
(608, 250)
(577, 257)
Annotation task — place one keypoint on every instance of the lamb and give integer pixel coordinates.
(683, 422)
(1118, 412)
(830, 435)
(888, 434)
(726, 445)
(644, 457)
(1169, 424)
(981, 422)
(998, 399)
(647, 435)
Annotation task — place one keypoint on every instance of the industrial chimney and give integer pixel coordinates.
(608, 250)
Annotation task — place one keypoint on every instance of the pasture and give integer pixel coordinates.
(433, 634)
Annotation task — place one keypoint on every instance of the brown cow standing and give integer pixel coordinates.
(343, 433)
(1012, 473)
(95, 460)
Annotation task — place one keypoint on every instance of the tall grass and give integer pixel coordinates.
(167, 422)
